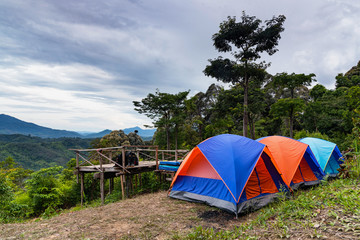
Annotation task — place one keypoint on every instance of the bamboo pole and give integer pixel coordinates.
(123, 157)
(111, 185)
(156, 157)
(82, 187)
(102, 190)
(77, 166)
(102, 184)
(122, 187)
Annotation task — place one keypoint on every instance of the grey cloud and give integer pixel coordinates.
(114, 52)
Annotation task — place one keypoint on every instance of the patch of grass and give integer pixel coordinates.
(317, 212)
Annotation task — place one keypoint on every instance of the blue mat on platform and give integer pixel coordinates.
(168, 168)
(169, 163)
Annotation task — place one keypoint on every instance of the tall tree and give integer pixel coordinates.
(293, 81)
(288, 84)
(245, 40)
(164, 109)
(350, 78)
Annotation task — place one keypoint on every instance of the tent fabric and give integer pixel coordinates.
(295, 161)
(327, 154)
(226, 171)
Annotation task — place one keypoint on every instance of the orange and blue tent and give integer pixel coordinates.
(327, 154)
(295, 160)
(231, 172)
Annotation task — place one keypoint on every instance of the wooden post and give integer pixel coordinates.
(138, 154)
(82, 187)
(102, 184)
(111, 185)
(163, 158)
(102, 188)
(123, 157)
(156, 157)
(77, 159)
(122, 187)
(176, 155)
(136, 181)
(77, 166)
(100, 161)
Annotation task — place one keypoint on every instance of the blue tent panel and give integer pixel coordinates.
(233, 157)
(327, 154)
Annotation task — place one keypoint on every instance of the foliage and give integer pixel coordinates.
(35, 153)
(9, 209)
(291, 87)
(289, 108)
(245, 40)
(352, 162)
(14, 173)
(310, 213)
(291, 82)
(44, 189)
(304, 133)
(350, 78)
(167, 110)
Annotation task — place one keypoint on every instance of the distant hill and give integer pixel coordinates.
(96, 135)
(35, 152)
(145, 133)
(11, 125)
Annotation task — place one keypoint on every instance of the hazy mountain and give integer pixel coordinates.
(141, 132)
(96, 135)
(11, 125)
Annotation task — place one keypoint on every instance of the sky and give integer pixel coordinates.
(79, 65)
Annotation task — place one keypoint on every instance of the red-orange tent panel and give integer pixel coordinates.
(260, 181)
(197, 165)
(287, 153)
(304, 173)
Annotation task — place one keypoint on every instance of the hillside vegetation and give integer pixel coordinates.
(329, 211)
(35, 152)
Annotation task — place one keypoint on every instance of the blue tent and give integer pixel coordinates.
(327, 154)
(231, 172)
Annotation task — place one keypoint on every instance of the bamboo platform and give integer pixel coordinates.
(107, 168)
(143, 166)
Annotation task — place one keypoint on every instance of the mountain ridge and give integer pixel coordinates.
(11, 125)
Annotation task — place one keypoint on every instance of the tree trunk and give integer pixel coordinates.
(245, 117)
(167, 137)
(252, 127)
(176, 137)
(291, 122)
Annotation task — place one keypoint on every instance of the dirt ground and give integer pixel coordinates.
(155, 216)
(149, 216)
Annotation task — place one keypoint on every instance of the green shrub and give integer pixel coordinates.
(304, 133)
(44, 189)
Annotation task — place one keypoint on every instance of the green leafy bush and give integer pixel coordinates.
(44, 189)
(304, 133)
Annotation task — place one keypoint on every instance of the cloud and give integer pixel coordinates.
(80, 64)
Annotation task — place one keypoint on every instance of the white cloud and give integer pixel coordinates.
(80, 64)
(60, 96)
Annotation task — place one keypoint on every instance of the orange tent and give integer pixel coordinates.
(295, 160)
